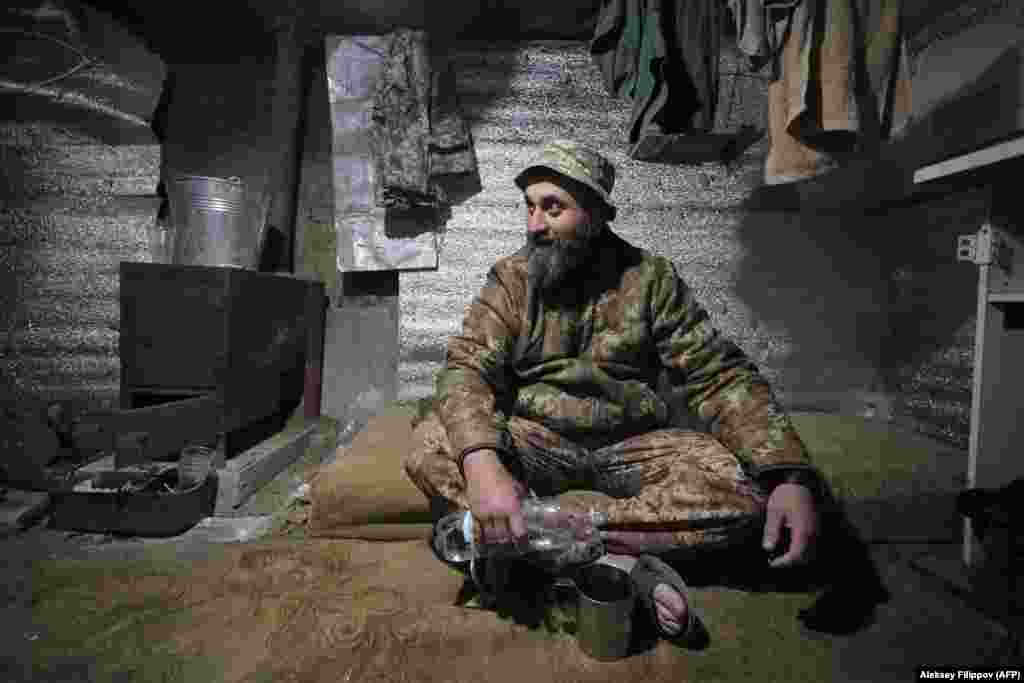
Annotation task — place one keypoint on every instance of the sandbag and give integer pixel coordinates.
(366, 484)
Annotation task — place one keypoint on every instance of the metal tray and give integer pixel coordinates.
(138, 502)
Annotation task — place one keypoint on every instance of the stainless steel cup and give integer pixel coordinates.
(605, 603)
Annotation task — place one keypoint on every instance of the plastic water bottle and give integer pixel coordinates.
(548, 529)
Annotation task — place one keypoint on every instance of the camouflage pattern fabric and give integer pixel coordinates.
(588, 364)
(671, 480)
(422, 144)
(587, 377)
(575, 161)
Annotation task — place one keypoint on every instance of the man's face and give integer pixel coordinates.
(559, 233)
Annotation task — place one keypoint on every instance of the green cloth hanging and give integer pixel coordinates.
(663, 55)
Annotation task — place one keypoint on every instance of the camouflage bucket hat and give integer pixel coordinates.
(575, 161)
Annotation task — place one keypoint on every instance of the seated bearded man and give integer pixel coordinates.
(557, 383)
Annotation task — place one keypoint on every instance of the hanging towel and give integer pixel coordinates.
(663, 55)
(423, 146)
(843, 87)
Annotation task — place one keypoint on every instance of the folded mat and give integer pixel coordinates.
(349, 610)
(898, 485)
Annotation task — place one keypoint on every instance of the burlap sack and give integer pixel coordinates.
(365, 492)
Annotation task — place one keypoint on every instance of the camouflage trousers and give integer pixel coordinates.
(678, 481)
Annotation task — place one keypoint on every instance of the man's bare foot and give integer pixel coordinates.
(672, 609)
(671, 606)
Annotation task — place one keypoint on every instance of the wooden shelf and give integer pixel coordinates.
(1006, 297)
(986, 156)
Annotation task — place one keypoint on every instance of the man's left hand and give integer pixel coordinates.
(791, 506)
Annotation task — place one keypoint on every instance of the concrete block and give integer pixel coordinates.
(242, 476)
(360, 359)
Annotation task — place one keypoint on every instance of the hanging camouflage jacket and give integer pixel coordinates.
(604, 361)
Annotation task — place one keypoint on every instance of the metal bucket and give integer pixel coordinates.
(210, 223)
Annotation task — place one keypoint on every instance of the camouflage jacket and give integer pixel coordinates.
(605, 361)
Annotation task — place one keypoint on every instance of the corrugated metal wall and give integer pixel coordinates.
(78, 175)
(60, 253)
(838, 311)
(848, 313)
(517, 96)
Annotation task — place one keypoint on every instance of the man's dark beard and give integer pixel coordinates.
(552, 264)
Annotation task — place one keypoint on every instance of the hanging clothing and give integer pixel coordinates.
(402, 153)
(842, 88)
(761, 28)
(663, 55)
(424, 149)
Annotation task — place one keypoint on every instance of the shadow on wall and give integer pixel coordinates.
(860, 294)
(932, 294)
(818, 278)
(862, 288)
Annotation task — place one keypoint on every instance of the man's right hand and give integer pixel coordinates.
(494, 498)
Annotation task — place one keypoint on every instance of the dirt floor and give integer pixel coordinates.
(930, 620)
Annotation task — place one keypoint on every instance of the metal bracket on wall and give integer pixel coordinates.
(984, 248)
